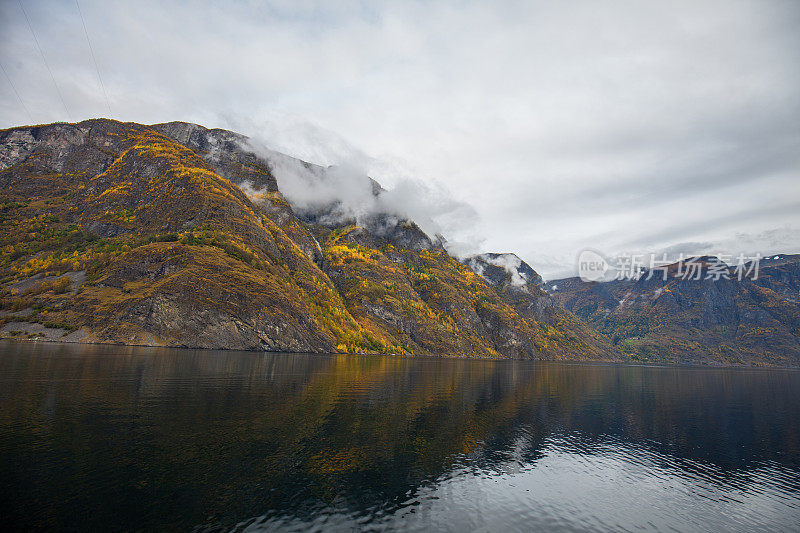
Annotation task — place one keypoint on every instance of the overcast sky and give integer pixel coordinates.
(618, 126)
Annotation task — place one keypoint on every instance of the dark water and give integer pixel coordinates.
(110, 438)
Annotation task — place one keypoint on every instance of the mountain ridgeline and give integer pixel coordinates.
(177, 235)
(713, 315)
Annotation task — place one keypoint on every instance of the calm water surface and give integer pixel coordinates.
(117, 438)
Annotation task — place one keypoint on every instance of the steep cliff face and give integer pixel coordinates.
(172, 252)
(521, 287)
(709, 319)
(177, 235)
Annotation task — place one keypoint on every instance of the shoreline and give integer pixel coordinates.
(653, 364)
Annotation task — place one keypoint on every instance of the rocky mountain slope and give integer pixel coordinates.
(755, 319)
(174, 234)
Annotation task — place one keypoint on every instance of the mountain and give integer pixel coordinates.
(522, 288)
(717, 318)
(177, 235)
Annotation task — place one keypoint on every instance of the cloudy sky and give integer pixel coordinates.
(619, 126)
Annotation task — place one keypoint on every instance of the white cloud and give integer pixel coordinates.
(345, 191)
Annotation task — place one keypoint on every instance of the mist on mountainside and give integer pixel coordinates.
(345, 192)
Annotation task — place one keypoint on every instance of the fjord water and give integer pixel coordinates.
(123, 438)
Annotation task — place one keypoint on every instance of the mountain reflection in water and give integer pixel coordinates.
(99, 437)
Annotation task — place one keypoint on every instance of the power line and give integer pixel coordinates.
(22, 103)
(94, 59)
(44, 59)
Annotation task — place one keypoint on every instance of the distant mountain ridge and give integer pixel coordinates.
(177, 235)
(717, 318)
